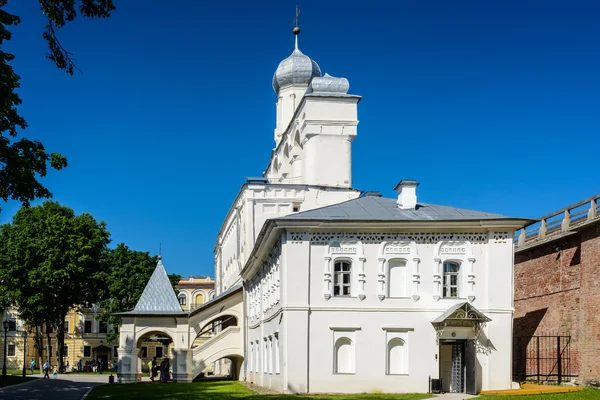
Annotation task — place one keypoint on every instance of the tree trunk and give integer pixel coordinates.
(39, 339)
(60, 343)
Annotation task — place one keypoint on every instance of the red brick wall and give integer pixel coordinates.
(557, 290)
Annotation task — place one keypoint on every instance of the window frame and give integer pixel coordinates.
(162, 351)
(83, 353)
(144, 351)
(446, 279)
(91, 326)
(14, 350)
(350, 274)
(180, 297)
(102, 327)
(66, 326)
(115, 351)
(66, 350)
(12, 325)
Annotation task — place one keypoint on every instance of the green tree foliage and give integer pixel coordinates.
(127, 273)
(51, 260)
(24, 161)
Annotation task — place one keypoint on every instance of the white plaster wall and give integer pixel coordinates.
(257, 204)
(328, 160)
(307, 336)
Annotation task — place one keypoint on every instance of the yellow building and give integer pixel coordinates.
(85, 337)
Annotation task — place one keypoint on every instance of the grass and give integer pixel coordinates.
(16, 379)
(223, 390)
(585, 394)
(19, 371)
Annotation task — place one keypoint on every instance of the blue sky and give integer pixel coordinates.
(492, 106)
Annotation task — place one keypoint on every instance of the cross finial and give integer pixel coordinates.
(297, 15)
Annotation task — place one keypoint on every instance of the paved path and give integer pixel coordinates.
(66, 387)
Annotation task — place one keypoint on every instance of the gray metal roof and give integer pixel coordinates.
(158, 296)
(371, 208)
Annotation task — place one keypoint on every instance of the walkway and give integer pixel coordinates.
(66, 387)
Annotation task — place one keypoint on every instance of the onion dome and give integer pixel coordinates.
(297, 69)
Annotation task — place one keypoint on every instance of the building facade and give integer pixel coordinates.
(320, 287)
(557, 294)
(85, 336)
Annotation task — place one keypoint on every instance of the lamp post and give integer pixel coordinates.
(5, 326)
(24, 353)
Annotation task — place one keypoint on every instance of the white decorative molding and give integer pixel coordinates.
(345, 327)
(471, 279)
(437, 279)
(327, 289)
(456, 251)
(417, 237)
(398, 250)
(416, 279)
(396, 328)
(361, 278)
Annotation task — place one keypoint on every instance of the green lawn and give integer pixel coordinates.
(19, 371)
(586, 394)
(224, 390)
(15, 379)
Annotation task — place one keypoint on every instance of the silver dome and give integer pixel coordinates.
(297, 69)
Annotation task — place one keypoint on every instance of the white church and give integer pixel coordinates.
(325, 288)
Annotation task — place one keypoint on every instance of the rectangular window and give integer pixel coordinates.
(49, 329)
(12, 325)
(87, 327)
(277, 354)
(144, 352)
(66, 326)
(182, 299)
(66, 351)
(103, 328)
(342, 278)
(87, 351)
(451, 287)
(257, 357)
(265, 355)
(159, 352)
(12, 350)
(115, 353)
(270, 355)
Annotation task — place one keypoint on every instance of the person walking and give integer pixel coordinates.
(46, 369)
(32, 365)
(153, 369)
(164, 370)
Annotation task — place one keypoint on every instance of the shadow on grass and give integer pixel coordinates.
(219, 390)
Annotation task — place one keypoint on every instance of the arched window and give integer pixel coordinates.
(199, 300)
(182, 299)
(396, 357)
(344, 356)
(397, 278)
(342, 278)
(451, 280)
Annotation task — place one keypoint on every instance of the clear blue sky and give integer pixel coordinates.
(490, 105)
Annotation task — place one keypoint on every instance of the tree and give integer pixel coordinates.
(51, 258)
(127, 273)
(24, 161)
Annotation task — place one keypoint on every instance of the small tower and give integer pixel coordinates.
(290, 81)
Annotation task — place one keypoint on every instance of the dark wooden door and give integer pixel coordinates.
(470, 367)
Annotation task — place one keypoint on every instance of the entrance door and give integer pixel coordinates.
(452, 363)
(470, 367)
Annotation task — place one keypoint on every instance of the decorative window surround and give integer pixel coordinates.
(401, 250)
(396, 328)
(345, 327)
(348, 250)
(462, 253)
(417, 237)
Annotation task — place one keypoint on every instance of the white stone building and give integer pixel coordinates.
(324, 288)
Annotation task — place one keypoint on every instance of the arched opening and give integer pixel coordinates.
(396, 358)
(397, 278)
(198, 300)
(344, 356)
(182, 300)
(154, 345)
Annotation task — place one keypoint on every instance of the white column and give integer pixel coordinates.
(381, 278)
(437, 279)
(471, 279)
(182, 365)
(327, 278)
(361, 278)
(127, 365)
(416, 279)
